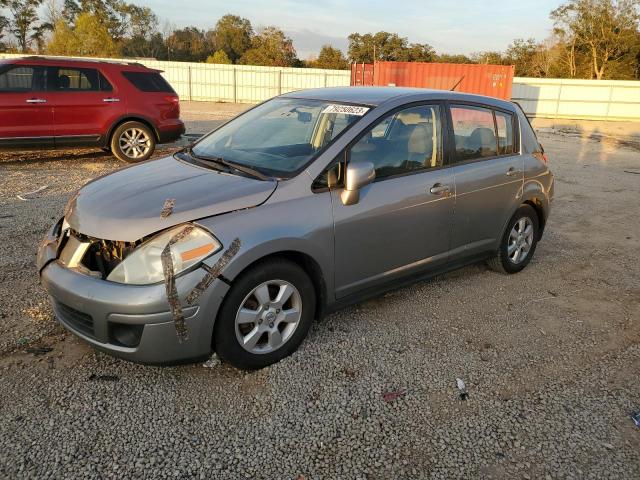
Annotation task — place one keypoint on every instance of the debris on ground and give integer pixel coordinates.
(462, 388)
(167, 208)
(636, 418)
(29, 195)
(630, 171)
(393, 395)
(213, 361)
(104, 378)
(37, 351)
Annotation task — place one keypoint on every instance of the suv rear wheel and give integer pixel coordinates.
(266, 315)
(133, 142)
(518, 242)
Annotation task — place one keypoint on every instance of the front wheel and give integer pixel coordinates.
(133, 142)
(266, 315)
(518, 242)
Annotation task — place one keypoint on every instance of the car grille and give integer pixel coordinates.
(79, 321)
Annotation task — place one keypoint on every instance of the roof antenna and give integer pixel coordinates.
(459, 82)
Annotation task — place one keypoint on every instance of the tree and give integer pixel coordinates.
(187, 45)
(455, 58)
(23, 23)
(387, 46)
(4, 23)
(605, 30)
(232, 35)
(488, 58)
(524, 55)
(219, 57)
(270, 47)
(88, 37)
(142, 38)
(331, 58)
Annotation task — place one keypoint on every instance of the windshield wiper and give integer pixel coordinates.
(229, 164)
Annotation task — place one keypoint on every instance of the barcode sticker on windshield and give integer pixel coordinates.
(346, 109)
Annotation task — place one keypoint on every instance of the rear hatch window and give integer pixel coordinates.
(148, 82)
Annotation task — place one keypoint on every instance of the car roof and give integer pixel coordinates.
(78, 62)
(374, 96)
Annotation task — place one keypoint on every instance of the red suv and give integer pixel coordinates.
(52, 102)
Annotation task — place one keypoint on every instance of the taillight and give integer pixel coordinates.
(545, 159)
(172, 99)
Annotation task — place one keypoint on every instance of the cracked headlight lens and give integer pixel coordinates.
(143, 266)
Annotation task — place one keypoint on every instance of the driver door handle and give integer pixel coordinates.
(36, 100)
(110, 100)
(440, 189)
(513, 172)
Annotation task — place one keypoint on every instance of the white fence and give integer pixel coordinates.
(543, 98)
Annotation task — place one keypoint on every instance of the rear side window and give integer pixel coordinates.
(17, 79)
(475, 134)
(504, 124)
(62, 79)
(148, 82)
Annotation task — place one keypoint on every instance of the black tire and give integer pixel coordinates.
(502, 262)
(117, 150)
(225, 341)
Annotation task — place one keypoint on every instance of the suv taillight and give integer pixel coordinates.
(172, 99)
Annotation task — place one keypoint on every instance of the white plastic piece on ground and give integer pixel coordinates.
(213, 362)
(27, 196)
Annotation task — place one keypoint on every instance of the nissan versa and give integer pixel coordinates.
(307, 202)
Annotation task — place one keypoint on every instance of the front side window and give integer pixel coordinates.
(475, 134)
(280, 136)
(73, 80)
(17, 79)
(406, 141)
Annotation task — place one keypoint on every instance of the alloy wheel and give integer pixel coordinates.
(268, 316)
(134, 143)
(520, 240)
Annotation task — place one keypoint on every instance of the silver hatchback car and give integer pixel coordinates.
(305, 203)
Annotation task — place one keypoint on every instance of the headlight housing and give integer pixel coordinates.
(144, 265)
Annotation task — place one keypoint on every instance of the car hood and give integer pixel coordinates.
(127, 205)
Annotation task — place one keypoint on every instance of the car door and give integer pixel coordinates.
(402, 221)
(83, 105)
(26, 117)
(488, 176)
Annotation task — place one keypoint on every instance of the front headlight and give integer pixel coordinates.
(144, 265)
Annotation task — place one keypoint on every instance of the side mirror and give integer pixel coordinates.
(358, 175)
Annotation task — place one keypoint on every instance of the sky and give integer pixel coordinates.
(463, 26)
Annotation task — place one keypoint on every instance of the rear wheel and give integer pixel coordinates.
(266, 315)
(133, 142)
(518, 242)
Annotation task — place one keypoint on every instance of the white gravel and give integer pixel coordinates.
(549, 357)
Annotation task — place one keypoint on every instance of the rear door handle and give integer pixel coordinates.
(512, 172)
(110, 100)
(440, 189)
(36, 100)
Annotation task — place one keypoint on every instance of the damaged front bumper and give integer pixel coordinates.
(129, 321)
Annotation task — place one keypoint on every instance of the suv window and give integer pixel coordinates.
(19, 79)
(148, 82)
(62, 79)
(406, 141)
(475, 133)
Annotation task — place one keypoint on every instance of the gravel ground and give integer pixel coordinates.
(550, 358)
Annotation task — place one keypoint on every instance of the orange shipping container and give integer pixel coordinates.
(491, 80)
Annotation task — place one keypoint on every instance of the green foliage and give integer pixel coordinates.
(385, 46)
(88, 37)
(447, 58)
(232, 35)
(270, 47)
(330, 58)
(187, 45)
(219, 56)
(602, 34)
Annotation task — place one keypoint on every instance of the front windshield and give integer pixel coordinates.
(280, 136)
